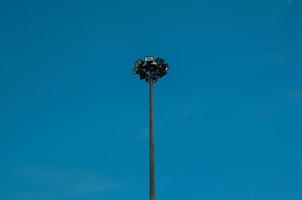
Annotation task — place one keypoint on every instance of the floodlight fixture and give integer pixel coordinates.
(150, 69)
(149, 59)
(138, 66)
(159, 61)
(139, 62)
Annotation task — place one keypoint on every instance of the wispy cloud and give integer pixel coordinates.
(188, 109)
(295, 95)
(265, 114)
(280, 12)
(45, 182)
(281, 100)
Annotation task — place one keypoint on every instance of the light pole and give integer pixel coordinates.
(150, 71)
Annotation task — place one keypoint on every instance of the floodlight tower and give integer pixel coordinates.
(150, 71)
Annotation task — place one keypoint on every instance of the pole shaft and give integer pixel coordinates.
(151, 141)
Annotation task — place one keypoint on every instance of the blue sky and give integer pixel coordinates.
(74, 119)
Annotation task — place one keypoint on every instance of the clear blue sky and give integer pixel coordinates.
(74, 119)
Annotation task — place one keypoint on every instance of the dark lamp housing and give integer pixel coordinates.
(150, 69)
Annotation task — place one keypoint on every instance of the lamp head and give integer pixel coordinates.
(139, 63)
(150, 69)
(149, 59)
(159, 61)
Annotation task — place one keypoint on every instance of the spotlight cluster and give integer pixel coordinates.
(150, 69)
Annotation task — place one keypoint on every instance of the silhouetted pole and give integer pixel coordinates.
(151, 141)
(150, 71)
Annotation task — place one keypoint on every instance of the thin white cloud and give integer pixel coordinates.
(264, 115)
(188, 109)
(46, 182)
(295, 95)
(286, 97)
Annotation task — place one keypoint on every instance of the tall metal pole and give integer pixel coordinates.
(151, 141)
(151, 70)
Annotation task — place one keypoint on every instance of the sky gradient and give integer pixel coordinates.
(74, 119)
